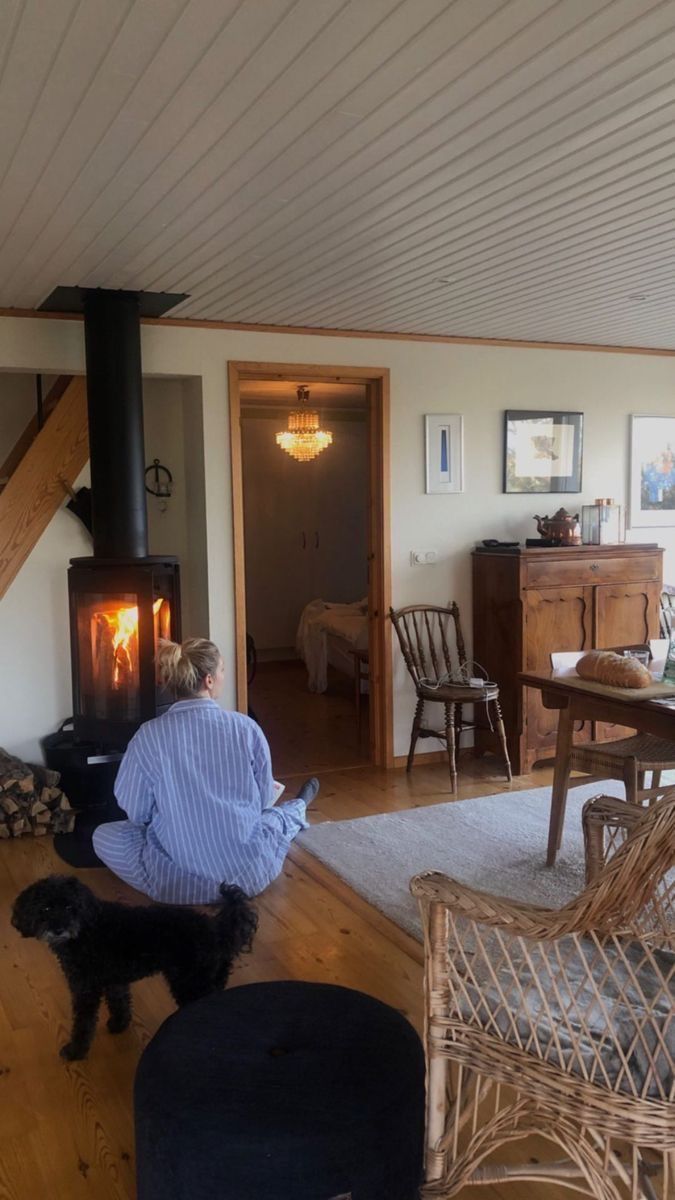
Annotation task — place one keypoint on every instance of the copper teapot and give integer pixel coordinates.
(562, 528)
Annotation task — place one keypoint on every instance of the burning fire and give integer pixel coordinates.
(121, 635)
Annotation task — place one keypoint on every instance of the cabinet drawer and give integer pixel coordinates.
(632, 569)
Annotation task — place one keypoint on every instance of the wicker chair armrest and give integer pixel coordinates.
(523, 920)
(609, 810)
(613, 903)
(601, 814)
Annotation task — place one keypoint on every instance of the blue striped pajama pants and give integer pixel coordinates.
(134, 854)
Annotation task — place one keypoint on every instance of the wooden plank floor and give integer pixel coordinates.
(66, 1130)
(308, 732)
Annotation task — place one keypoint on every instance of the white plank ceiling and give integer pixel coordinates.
(487, 168)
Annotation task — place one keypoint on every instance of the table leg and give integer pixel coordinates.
(561, 775)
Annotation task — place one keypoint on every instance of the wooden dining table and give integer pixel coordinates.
(590, 703)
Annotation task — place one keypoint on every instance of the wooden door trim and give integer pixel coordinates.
(376, 380)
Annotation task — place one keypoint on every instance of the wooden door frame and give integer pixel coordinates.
(376, 382)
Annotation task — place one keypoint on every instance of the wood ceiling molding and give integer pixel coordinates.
(308, 331)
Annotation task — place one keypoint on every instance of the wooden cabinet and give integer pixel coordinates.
(528, 603)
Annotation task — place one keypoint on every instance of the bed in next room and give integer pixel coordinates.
(335, 634)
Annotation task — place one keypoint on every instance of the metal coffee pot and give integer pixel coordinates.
(562, 528)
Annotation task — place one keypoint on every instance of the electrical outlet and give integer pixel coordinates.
(423, 558)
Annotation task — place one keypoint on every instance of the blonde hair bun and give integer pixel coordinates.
(183, 668)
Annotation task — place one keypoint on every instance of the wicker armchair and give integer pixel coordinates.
(557, 1024)
(432, 645)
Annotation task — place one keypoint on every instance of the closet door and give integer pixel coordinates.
(338, 532)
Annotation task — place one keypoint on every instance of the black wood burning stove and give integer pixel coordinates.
(118, 612)
(122, 600)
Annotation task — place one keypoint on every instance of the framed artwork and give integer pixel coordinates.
(652, 471)
(542, 451)
(444, 453)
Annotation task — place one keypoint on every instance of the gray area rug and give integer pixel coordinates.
(495, 843)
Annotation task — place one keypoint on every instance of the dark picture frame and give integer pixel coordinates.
(542, 451)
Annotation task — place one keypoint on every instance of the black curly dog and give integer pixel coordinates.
(103, 947)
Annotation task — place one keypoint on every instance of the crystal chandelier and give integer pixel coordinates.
(303, 439)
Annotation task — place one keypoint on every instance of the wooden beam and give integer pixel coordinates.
(36, 489)
(26, 439)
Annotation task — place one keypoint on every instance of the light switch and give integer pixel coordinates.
(423, 558)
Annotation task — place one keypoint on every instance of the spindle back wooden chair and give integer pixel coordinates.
(434, 652)
(557, 1024)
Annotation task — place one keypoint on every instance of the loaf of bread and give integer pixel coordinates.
(604, 666)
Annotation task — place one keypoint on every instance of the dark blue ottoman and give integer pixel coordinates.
(281, 1091)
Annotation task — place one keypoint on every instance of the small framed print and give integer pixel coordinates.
(652, 471)
(444, 453)
(542, 451)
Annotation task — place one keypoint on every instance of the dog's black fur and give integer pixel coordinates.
(103, 947)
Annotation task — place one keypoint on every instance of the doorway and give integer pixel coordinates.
(348, 714)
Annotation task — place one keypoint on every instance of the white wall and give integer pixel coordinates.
(17, 406)
(163, 427)
(171, 418)
(195, 571)
(34, 638)
(426, 377)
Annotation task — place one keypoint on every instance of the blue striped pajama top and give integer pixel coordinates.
(197, 786)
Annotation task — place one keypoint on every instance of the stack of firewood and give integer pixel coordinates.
(30, 800)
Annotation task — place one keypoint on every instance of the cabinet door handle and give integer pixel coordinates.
(304, 540)
(595, 566)
(316, 539)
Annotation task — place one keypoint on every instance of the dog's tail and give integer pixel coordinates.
(237, 920)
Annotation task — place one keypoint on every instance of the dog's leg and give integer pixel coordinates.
(118, 1000)
(85, 1011)
(222, 974)
(187, 986)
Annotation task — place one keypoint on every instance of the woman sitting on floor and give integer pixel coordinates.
(196, 784)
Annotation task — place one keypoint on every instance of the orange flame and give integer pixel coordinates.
(122, 624)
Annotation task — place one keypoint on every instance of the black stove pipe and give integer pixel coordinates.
(112, 334)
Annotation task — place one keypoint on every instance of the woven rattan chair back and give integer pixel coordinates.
(630, 852)
(558, 1023)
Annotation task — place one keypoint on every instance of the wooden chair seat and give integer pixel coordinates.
(651, 753)
(458, 694)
